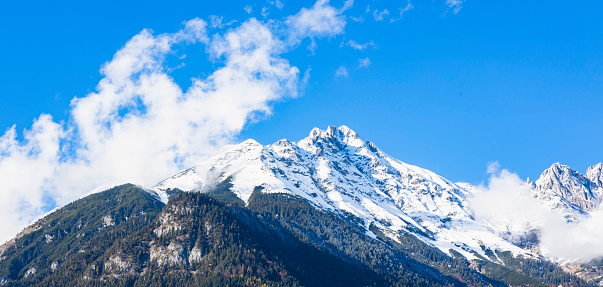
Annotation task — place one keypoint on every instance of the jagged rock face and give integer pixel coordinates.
(595, 175)
(567, 190)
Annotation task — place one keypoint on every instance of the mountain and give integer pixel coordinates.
(329, 210)
(572, 194)
(337, 171)
(126, 237)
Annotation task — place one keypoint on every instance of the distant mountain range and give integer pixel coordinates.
(329, 210)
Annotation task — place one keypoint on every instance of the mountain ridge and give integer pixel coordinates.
(336, 170)
(332, 191)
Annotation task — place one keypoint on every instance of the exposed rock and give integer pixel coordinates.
(195, 255)
(566, 190)
(168, 224)
(31, 271)
(54, 266)
(172, 255)
(117, 265)
(595, 175)
(108, 221)
(48, 238)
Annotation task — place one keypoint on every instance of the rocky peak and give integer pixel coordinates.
(560, 183)
(595, 175)
(337, 138)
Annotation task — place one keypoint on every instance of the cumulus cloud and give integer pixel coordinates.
(364, 63)
(139, 125)
(322, 20)
(341, 72)
(507, 203)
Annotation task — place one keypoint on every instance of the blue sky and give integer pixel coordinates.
(518, 82)
(447, 85)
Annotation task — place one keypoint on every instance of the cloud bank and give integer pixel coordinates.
(507, 202)
(140, 126)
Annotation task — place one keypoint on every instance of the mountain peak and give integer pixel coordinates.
(595, 174)
(566, 188)
(558, 172)
(341, 136)
(559, 167)
(250, 142)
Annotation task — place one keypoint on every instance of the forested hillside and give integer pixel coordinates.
(126, 237)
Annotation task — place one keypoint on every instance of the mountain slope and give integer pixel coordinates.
(196, 240)
(337, 171)
(329, 210)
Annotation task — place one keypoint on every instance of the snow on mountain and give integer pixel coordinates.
(336, 170)
(595, 175)
(572, 194)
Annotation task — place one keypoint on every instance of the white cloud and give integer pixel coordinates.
(277, 3)
(507, 202)
(406, 8)
(357, 46)
(342, 72)
(140, 126)
(265, 12)
(25, 168)
(322, 20)
(493, 167)
(580, 242)
(358, 19)
(194, 30)
(455, 5)
(363, 63)
(347, 5)
(215, 21)
(248, 9)
(379, 15)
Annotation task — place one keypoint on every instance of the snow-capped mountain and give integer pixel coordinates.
(336, 170)
(572, 194)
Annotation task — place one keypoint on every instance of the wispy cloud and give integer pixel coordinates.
(359, 19)
(403, 10)
(379, 16)
(357, 46)
(455, 5)
(493, 167)
(215, 21)
(364, 63)
(248, 9)
(276, 3)
(347, 5)
(342, 72)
